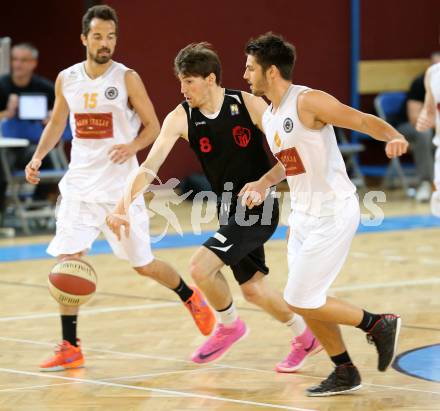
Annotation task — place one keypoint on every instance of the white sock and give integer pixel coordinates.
(297, 325)
(227, 317)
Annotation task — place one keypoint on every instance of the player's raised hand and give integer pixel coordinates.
(31, 171)
(253, 194)
(116, 221)
(425, 121)
(396, 147)
(120, 153)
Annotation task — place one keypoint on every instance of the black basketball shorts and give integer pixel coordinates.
(239, 242)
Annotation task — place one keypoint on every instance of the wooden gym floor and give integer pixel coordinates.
(138, 338)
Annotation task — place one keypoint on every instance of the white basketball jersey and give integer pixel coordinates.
(315, 169)
(99, 118)
(435, 88)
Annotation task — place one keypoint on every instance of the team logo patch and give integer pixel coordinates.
(291, 161)
(242, 136)
(288, 125)
(93, 126)
(234, 110)
(111, 93)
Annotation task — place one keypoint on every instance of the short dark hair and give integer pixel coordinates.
(102, 12)
(200, 60)
(27, 46)
(271, 49)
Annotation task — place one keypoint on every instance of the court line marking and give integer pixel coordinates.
(127, 377)
(124, 354)
(426, 281)
(355, 287)
(31, 387)
(227, 366)
(93, 311)
(166, 302)
(158, 374)
(100, 293)
(155, 390)
(124, 378)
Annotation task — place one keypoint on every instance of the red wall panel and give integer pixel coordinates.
(52, 26)
(399, 29)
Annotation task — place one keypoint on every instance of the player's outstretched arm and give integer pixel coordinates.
(325, 109)
(426, 119)
(174, 126)
(51, 134)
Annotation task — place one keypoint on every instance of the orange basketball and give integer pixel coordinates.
(72, 282)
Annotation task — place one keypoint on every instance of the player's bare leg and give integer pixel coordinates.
(205, 270)
(382, 330)
(257, 291)
(304, 344)
(68, 353)
(205, 266)
(161, 272)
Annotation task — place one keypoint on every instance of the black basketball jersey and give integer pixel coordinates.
(229, 147)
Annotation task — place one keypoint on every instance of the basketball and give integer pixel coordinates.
(72, 282)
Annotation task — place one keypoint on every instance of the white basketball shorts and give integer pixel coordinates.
(435, 198)
(317, 250)
(79, 223)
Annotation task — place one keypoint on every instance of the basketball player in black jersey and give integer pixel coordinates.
(223, 128)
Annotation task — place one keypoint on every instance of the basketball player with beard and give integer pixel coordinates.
(107, 103)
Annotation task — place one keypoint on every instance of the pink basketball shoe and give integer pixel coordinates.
(303, 346)
(219, 342)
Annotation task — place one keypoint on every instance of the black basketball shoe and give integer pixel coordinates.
(344, 379)
(384, 335)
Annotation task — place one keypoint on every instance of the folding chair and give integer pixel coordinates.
(388, 105)
(26, 208)
(350, 152)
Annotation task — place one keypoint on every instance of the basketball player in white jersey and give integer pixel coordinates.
(428, 118)
(107, 103)
(325, 209)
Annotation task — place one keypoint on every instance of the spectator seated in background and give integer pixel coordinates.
(420, 142)
(28, 120)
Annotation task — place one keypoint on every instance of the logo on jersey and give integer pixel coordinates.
(242, 136)
(200, 123)
(234, 110)
(111, 93)
(291, 161)
(93, 125)
(288, 125)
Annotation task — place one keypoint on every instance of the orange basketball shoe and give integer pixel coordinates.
(66, 356)
(201, 312)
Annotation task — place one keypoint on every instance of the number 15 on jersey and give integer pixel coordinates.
(90, 100)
